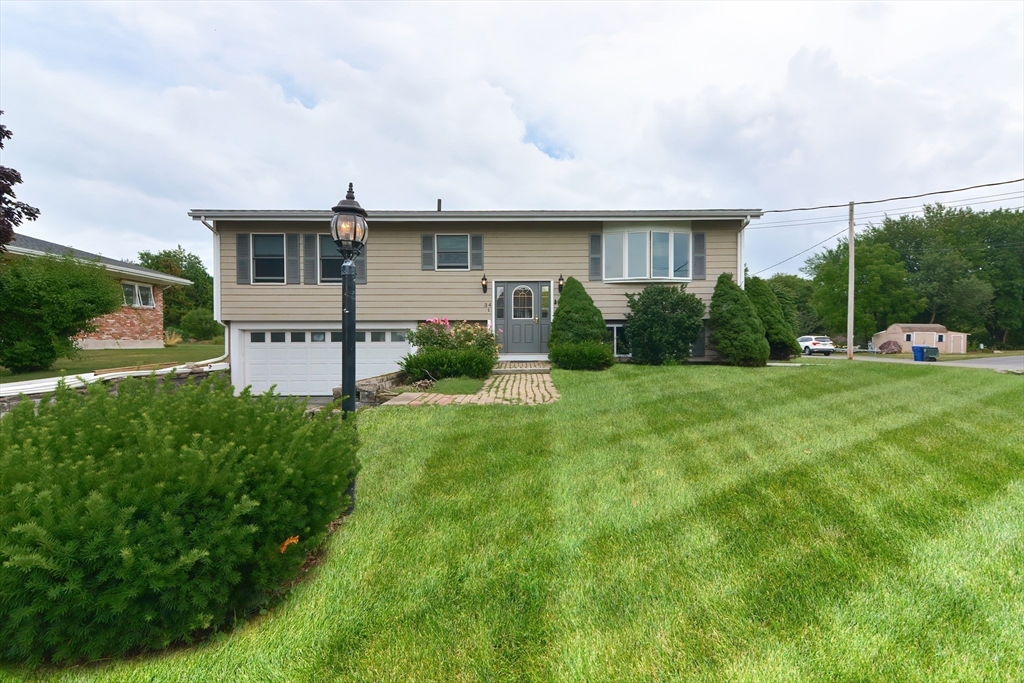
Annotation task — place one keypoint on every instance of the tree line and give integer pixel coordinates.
(954, 266)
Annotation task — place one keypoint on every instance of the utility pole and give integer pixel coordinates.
(849, 297)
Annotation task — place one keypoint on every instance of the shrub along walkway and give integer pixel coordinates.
(518, 389)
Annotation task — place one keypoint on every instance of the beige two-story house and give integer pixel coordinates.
(278, 279)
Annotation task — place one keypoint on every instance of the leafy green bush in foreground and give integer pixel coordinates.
(428, 363)
(129, 522)
(589, 355)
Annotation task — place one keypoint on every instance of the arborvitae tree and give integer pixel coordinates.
(789, 310)
(777, 330)
(663, 323)
(736, 331)
(577, 319)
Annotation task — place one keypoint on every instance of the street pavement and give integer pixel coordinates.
(995, 362)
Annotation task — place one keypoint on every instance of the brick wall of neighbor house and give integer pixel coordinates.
(129, 328)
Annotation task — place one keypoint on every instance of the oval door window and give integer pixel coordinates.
(522, 303)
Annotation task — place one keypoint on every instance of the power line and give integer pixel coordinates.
(825, 220)
(893, 199)
(1006, 244)
(799, 253)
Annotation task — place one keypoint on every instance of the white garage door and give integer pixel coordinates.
(308, 362)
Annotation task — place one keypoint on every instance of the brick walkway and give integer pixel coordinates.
(516, 390)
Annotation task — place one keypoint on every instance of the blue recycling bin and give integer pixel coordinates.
(918, 352)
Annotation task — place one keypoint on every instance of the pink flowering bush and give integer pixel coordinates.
(440, 333)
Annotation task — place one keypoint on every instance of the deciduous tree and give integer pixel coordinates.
(12, 212)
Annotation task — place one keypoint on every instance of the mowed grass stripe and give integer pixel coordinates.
(666, 524)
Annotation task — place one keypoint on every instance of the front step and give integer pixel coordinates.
(519, 367)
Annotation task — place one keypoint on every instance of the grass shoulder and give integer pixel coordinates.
(457, 385)
(101, 359)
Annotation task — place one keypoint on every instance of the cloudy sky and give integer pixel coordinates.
(126, 115)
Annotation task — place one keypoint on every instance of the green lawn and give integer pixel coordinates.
(838, 521)
(88, 361)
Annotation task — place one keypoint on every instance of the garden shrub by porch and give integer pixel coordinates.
(440, 333)
(586, 355)
(777, 330)
(736, 331)
(579, 338)
(428, 363)
(132, 522)
(577, 319)
(663, 323)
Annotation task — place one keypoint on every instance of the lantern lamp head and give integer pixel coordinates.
(348, 227)
(561, 283)
(483, 283)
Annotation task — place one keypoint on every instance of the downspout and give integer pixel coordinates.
(741, 279)
(216, 292)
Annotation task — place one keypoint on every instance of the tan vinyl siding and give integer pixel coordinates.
(397, 289)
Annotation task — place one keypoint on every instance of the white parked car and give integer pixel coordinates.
(812, 345)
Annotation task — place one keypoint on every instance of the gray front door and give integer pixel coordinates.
(523, 313)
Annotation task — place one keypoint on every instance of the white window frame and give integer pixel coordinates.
(940, 337)
(469, 250)
(320, 262)
(252, 258)
(625, 230)
(137, 303)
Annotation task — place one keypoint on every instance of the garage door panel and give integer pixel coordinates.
(313, 368)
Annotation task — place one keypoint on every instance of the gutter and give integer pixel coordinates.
(121, 270)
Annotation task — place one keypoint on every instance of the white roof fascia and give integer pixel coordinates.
(120, 270)
(205, 215)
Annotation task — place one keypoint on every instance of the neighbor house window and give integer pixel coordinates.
(452, 252)
(647, 255)
(268, 258)
(942, 337)
(906, 337)
(137, 296)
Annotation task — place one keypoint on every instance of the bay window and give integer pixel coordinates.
(647, 254)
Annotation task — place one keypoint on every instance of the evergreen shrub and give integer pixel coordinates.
(663, 323)
(584, 355)
(777, 330)
(433, 363)
(577, 319)
(200, 325)
(135, 521)
(45, 303)
(736, 331)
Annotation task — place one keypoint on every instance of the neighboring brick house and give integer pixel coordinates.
(139, 324)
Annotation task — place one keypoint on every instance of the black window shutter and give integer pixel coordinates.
(291, 259)
(699, 256)
(476, 252)
(427, 252)
(595, 256)
(360, 264)
(309, 259)
(242, 260)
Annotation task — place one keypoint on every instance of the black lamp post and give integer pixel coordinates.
(348, 230)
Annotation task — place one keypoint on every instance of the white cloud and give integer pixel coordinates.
(126, 115)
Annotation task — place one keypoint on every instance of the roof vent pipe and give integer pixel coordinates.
(439, 204)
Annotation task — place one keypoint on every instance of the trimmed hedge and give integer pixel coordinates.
(777, 330)
(577, 319)
(136, 521)
(663, 323)
(587, 355)
(441, 363)
(736, 331)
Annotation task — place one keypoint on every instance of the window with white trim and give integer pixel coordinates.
(907, 336)
(631, 254)
(452, 252)
(268, 258)
(942, 337)
(137, 296)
